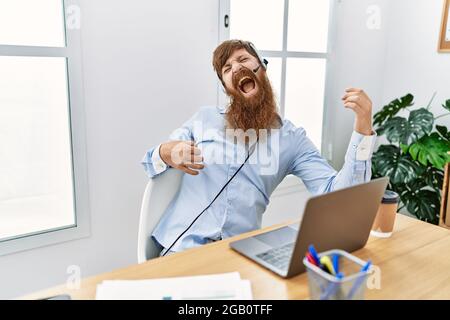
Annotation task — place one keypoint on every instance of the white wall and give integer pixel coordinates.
(413, 64)
(356, 59)
(147, 67)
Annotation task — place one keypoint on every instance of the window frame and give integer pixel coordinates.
(72, 53)
(284, 54)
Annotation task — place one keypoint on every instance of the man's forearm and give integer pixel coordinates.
(357, 167)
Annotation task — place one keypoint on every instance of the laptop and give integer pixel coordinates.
(340, 219)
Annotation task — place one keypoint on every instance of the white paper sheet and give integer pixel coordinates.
(227, 286)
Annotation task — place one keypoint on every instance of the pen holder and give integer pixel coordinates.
(324, 286)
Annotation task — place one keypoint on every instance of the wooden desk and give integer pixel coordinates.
(414, 262)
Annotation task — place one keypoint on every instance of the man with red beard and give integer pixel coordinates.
(220, 196)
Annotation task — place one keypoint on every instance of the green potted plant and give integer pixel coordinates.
(415, 156)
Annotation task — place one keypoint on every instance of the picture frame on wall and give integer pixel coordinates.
(444, 39)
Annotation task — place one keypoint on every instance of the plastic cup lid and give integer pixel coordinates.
(390, 197)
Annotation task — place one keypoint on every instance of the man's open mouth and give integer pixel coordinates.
(246, 84)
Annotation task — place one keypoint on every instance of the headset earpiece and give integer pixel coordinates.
(262, 61)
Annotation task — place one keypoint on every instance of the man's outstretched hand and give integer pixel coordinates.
(357, 100)
(182, 155)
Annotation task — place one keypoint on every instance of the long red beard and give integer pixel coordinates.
(256, 112)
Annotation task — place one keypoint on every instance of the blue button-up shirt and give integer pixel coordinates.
(240, 207)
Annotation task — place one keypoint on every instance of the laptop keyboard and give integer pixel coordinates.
(278, 257)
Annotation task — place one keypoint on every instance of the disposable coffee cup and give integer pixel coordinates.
(384, 221)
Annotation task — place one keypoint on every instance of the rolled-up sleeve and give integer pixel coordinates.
(359, 157)
(318, 175)
(152, 162)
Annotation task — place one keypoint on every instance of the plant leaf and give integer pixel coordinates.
(389, 161)
(390, 110)
(431, 149)
(393, 129)
(404, 147)
(446, 105)
(443, 132)
(423, 203)
(414, 151)
(420, 123)
(398, 129)
(433, 177)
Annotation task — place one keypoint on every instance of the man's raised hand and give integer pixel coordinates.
(357, 100)
(182, 155)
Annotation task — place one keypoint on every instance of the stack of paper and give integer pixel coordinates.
(226, 286)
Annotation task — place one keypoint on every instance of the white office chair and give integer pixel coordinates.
(157, 196)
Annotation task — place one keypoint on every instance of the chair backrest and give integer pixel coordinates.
(157, 196)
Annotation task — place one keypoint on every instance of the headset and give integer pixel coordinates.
(252, 148)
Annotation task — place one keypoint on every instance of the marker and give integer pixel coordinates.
(336, 263)
(367, 266)
(314, 254)
(310, 259)
(326, 261)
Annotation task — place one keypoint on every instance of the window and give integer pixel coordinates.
(293, 36)
(43, 185)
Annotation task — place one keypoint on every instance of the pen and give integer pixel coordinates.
(359, 280)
